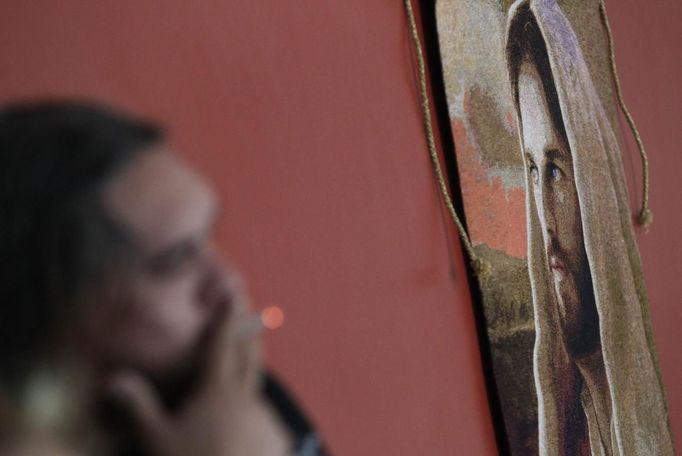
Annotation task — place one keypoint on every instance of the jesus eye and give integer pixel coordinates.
(554, 172)
(534, 174)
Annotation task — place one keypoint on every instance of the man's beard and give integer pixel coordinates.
(574, 293)
(177, 383)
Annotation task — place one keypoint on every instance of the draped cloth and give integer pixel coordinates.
(639, 423)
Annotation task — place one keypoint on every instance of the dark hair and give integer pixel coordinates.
(55, 237)
(525, 43)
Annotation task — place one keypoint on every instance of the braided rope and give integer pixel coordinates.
(479, 265)
(645, 217)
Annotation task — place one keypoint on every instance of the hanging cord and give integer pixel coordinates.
(481, 267)
(646, 217)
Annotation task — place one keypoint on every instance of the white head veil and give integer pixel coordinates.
(639, 423)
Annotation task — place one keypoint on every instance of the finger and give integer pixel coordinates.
(237, 350)
(247, 351)
(138, 396)
(248, 327)
(243, 348)
(221, 343)
(252, 364)
(236, 284)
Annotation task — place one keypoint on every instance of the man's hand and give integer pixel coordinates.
(225, 416)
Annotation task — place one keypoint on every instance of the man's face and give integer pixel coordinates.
(549, 162)
(161, 307)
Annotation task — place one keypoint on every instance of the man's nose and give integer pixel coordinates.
(214, 288)
(223, 284)
(548, 214)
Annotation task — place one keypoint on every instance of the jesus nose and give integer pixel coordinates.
(548, 212)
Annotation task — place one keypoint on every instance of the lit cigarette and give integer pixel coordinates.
(272, 317)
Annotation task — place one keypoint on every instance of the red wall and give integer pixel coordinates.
(648, 39)
(305, 116)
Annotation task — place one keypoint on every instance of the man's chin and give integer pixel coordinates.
(177, 379)
(568, 296)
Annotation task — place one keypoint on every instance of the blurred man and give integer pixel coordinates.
(595, 369)
(116, 304)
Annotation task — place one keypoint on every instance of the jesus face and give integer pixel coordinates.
(550, 165)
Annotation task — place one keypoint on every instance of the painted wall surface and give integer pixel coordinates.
(648, 55)
(306, 118)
